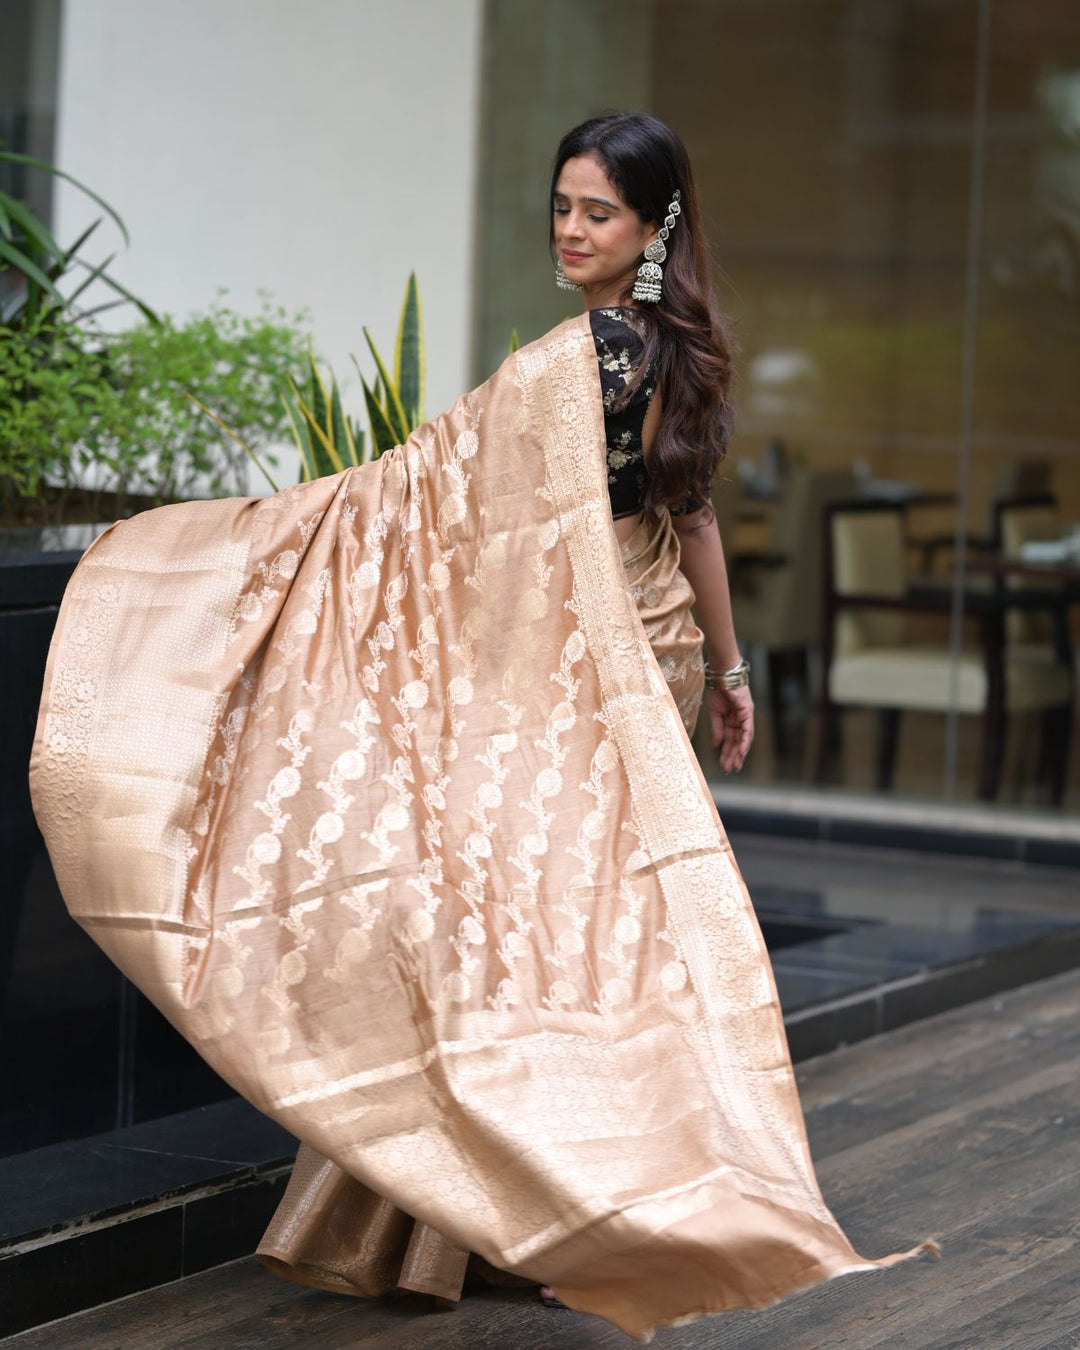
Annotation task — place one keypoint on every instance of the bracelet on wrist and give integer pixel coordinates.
(734, 678)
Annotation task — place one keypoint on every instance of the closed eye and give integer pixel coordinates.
(565, 211)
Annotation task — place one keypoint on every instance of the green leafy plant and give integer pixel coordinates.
(56, 401)
(56, 392)
(110, 416)
(234, 364)
(35, 264)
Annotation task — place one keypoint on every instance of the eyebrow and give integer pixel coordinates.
(600, 201)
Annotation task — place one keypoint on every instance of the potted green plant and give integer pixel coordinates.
(94, 425)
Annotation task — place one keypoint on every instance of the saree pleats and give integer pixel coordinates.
(335, 1233)
(378, 789)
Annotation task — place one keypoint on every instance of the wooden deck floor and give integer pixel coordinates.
(965, 1127)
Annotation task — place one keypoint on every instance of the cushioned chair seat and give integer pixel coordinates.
(918, 678)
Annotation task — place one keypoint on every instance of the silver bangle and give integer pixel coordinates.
(734, 678)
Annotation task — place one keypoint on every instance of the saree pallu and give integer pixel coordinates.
(331, 1231)
(376, 789)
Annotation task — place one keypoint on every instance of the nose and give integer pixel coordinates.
(573, 226)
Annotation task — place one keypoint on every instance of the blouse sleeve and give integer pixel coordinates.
(619, 352)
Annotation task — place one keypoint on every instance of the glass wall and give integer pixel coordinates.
(892, 192)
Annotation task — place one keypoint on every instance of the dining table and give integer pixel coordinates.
(1063, 573)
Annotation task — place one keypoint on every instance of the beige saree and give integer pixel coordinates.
(330, 1230)
(377, 789)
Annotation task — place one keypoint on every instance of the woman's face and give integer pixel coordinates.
(598, 238)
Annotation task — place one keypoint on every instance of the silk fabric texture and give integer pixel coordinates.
(378, 791)
(331, 1231)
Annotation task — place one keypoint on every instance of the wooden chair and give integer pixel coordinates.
(776, 594)
(1018, 520)
(1038, 635)
(1014, 480)
(871, 663)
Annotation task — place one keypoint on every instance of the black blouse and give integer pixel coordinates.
(619, 348)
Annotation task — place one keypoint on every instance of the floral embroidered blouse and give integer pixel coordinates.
(619, 348)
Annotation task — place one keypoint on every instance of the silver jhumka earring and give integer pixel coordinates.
(650, 274)
(563, 281)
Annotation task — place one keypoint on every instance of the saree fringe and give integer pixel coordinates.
(378, 790)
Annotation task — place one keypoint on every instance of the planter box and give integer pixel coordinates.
(83, 1051)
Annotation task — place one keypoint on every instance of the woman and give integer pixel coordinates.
(610, 193)
(420, 858)
(611, 187)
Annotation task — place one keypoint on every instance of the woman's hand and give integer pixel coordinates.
(731, 722)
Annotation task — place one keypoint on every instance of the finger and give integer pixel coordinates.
(740, 742)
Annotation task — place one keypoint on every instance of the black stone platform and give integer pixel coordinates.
(88, 1221)
(843, 987)
(970, 829)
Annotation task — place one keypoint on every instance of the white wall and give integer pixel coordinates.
(320, 150)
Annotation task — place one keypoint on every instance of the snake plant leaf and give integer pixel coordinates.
(11, 157)
(394, 412)
(409, 356)
(340, 431)
(327, 459)
(318, 406)
(324, 454)
(300, 435)
(382, 433)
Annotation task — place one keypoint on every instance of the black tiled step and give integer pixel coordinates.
(830, 1016)
(971, 832)
(87, 1180)
(89, 1221)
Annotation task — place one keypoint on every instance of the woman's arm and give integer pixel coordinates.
(704, 567)
(731, 711)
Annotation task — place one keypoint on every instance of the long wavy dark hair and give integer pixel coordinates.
(688, 341)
